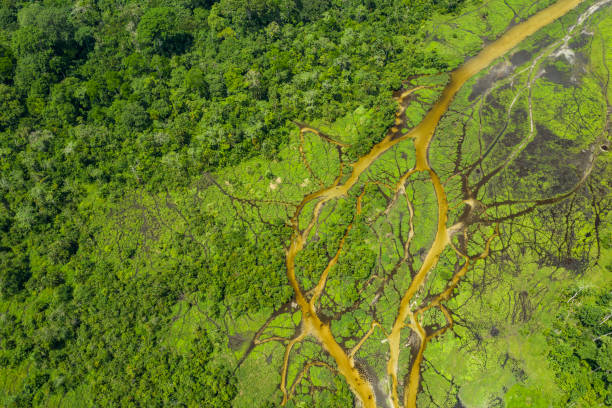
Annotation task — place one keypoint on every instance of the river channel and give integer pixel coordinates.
(422, 134)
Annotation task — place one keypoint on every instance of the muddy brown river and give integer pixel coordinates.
(421, 135)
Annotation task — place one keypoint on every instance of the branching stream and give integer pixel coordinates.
(409, 314)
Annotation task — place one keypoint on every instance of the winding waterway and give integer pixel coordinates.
(422, 134)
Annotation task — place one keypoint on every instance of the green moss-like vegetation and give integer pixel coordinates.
(151, 161)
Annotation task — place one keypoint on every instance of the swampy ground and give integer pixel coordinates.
(448, 247)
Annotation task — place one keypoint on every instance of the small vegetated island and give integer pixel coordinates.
(356, 203)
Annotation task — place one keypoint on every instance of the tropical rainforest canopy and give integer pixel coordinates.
(153, 156)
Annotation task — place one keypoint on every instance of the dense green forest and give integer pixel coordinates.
(100, 98)
(148, 150)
